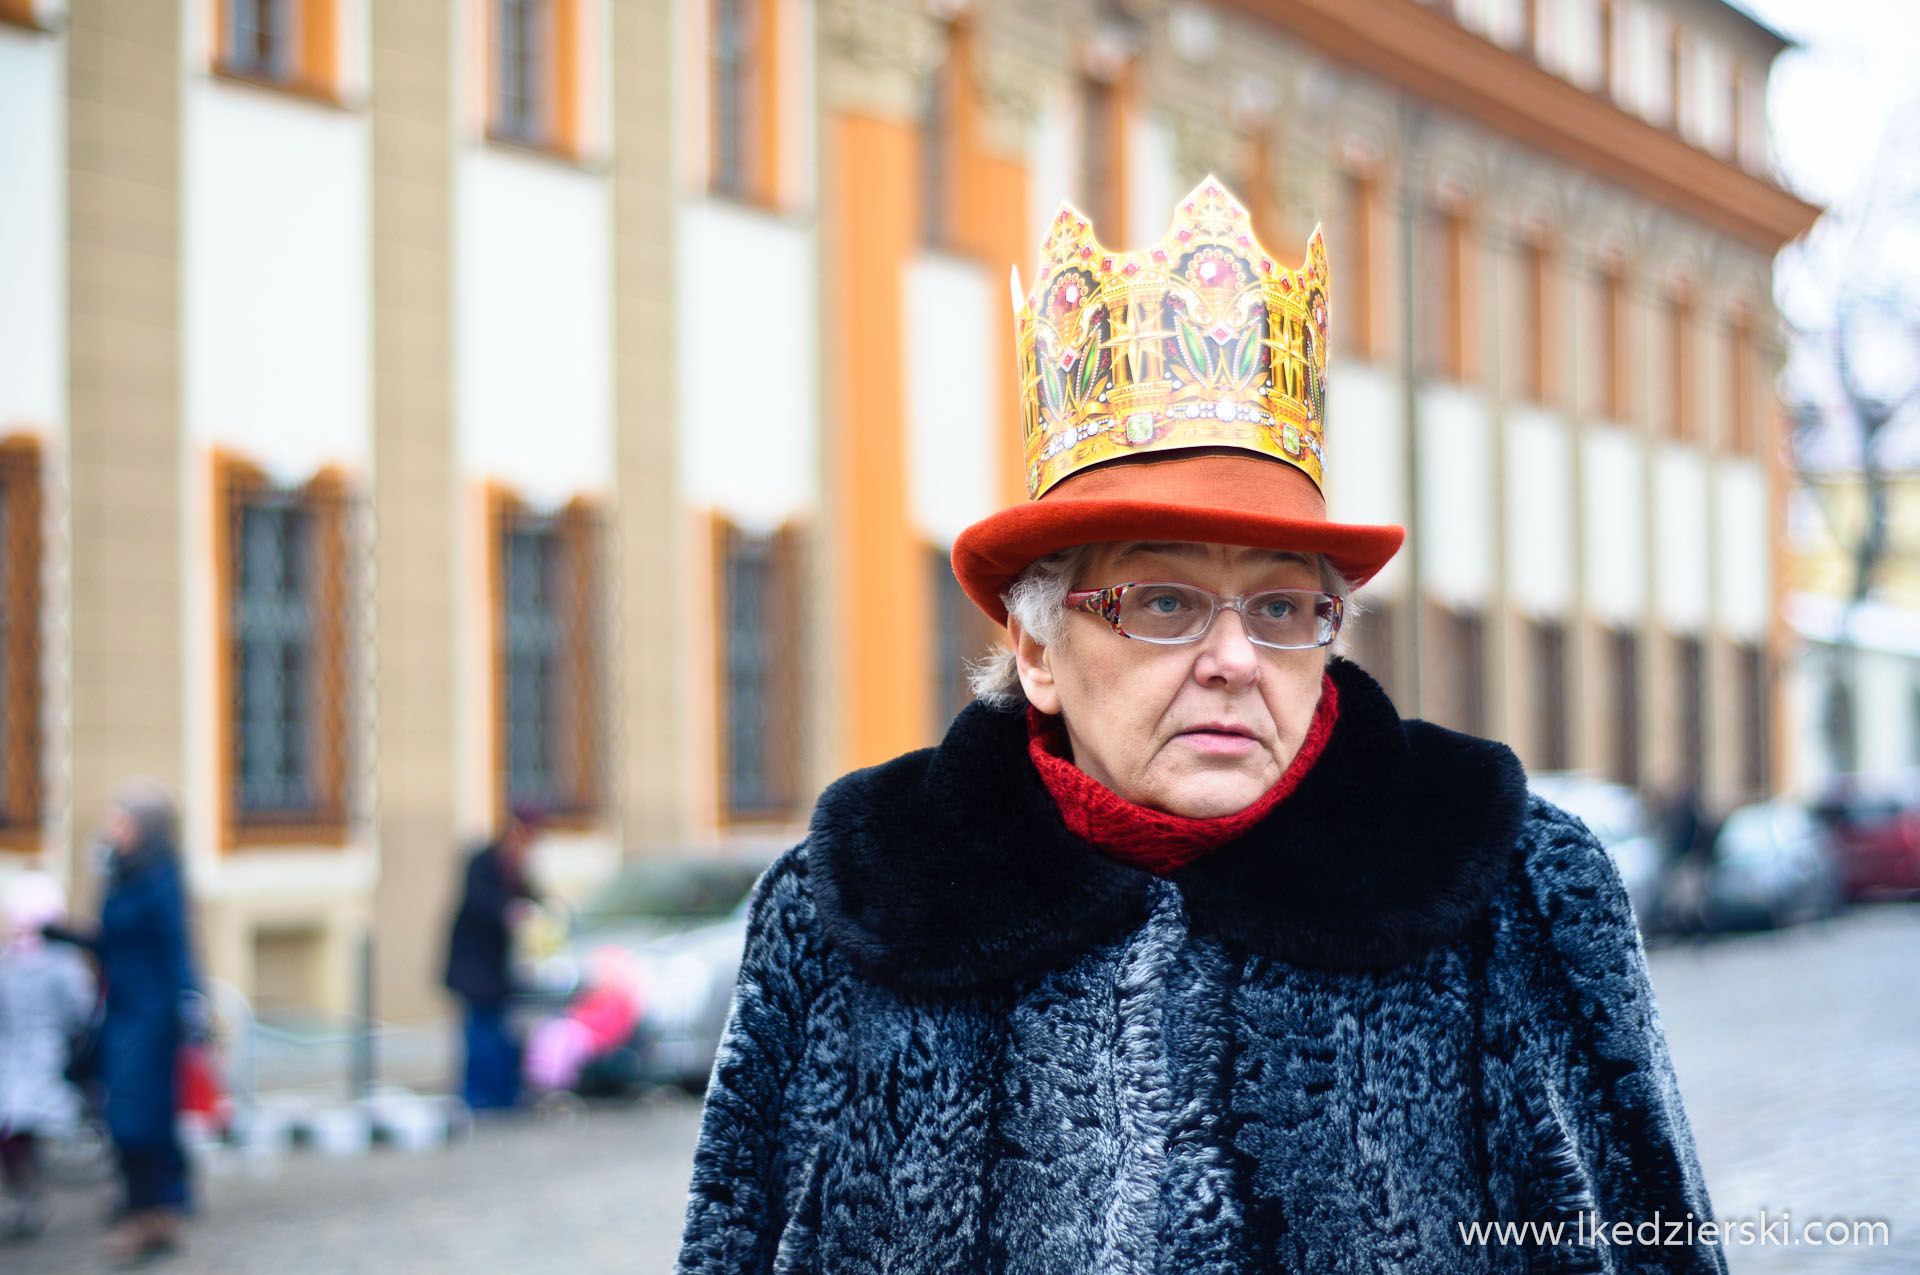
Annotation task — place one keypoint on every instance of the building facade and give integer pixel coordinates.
(413, 408)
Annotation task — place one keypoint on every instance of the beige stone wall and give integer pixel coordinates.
(414, 501)
(125, 451)
(649, 559)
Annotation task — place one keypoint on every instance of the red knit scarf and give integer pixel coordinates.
(1154, 839)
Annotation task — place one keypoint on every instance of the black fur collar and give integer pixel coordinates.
(951, 867)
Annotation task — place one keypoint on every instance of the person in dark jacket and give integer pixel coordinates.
(146, 964)
(1183, 951)
(479, 953)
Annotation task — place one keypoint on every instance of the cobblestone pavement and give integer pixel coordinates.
(1798, 1055)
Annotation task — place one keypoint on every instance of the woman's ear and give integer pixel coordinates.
(1036, 668)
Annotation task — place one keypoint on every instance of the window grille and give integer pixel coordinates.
(759, 662)
(260, 37)
(521, 36)
(20, 735)
(736, 86)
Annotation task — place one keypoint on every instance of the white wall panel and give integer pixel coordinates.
(1683, 565)
(1053, 151)
(276, 279)
(1540, 562)
(953, 395)
(1153, 183)
(1616, 521)
(533, 316)
(1456, 496)
(33, 214)
(1744, 545)
(1366, 470)
(747, 349)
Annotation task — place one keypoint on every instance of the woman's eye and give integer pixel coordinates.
(1165, 603)
(1277, 608)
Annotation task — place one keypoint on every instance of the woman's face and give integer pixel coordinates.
(122, 833)
(1200, 729)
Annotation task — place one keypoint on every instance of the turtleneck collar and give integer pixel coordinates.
(1155, 840)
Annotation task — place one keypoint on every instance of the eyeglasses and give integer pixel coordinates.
(1167, 613)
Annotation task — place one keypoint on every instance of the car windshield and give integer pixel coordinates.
(667, 893)
(1756, 833)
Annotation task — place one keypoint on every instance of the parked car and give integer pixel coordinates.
(1770, 868)
(683, 922)
(1874, 841)
(1614, 814)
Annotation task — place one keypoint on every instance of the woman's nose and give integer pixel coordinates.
(1226, 653)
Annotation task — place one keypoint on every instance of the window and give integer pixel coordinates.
(1680, 373)
(289, 43)
(547, 659)
(535, 59)
(1611, 339)
(281, 565)
(742, 99)
(1354, 331)
(1370, 636)
(759, 630)
(1446, 333)
(1549, 660)
(20, 644)
(1756, 740)
(1533, 323)
(1623, 683)
(1689, 658)
(1742, 437)
(961, 635)
(1102, 157)
(940, 107)
(1457, 690)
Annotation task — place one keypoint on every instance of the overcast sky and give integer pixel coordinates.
(1830, 100)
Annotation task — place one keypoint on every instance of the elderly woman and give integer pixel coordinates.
(1182, 951)
(146, 963)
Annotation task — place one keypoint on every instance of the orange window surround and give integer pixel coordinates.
(20, 790)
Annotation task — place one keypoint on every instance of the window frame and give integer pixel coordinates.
(581, 799)
(754, 177)
(554, 125)
(313, 59)
(326, 499)
(783, 675)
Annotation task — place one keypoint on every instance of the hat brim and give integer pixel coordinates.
(1244, 501)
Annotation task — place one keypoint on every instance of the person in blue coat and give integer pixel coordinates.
(146, 965)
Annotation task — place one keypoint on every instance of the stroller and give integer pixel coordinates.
(594, 1047)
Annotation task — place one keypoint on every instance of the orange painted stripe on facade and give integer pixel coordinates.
(319, 51)
(1004, 243)
(884, 601)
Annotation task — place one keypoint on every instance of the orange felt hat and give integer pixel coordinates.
(1172, 394)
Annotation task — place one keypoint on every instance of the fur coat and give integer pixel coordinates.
(1411, 1000)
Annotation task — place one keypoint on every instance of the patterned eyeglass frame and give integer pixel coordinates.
(1105, 603)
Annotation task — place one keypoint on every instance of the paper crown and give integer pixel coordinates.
(1200, 341)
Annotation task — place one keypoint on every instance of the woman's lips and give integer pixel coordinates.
(1223, 740)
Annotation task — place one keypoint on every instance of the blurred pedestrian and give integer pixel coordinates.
(152, 1004)
(479, 960)
(46, 996)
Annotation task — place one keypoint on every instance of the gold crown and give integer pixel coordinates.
(1201, 341)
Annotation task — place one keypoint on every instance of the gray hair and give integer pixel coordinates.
(149, 803)
(1034, 599)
